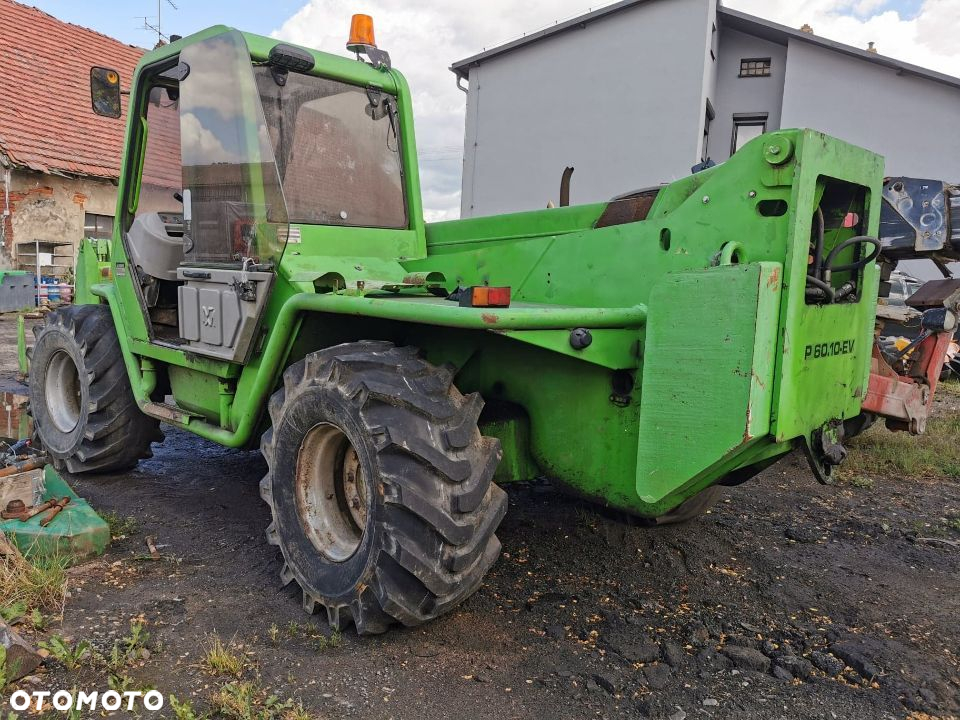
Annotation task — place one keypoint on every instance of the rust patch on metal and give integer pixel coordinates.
(628, 210)
(773, 282)
(489, 318)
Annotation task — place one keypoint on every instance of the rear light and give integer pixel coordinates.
(485, 296)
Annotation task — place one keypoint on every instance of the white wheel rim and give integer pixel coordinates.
(331, 492)
(62, 392)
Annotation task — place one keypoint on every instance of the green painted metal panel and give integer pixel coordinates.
(77, 533)
(824, 358)
(707, 373)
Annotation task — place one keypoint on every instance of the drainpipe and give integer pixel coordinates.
(6, 203)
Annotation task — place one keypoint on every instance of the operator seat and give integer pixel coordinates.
(155, 241)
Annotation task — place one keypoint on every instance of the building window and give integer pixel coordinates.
(99, 227)
(755, 67)
(707, 119)
(747, 126)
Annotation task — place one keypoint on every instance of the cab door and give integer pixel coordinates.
(234, 216)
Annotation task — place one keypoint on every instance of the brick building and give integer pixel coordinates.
(59, 162)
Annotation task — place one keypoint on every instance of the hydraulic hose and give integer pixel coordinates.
(820, 289)
(857, 264)
(818, 248)
(823, 269)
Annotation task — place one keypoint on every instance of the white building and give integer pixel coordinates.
(636, 93)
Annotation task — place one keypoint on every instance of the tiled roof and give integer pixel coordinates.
(46, 122)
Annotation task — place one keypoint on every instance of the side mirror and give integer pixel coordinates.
(105, 91)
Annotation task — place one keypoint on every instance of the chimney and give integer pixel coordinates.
(871, 48)
(806, 28)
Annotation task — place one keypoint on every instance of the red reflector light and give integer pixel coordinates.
(484, 296)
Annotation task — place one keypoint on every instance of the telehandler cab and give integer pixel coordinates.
(271, 279)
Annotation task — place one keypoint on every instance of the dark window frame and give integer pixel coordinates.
(709, 116)
(754, 119)
(755, 67)
(102, 224)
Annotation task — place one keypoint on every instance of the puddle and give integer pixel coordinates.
(15, 423)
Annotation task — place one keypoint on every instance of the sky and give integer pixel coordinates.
(425, 36)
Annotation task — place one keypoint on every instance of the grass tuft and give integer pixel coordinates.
(221, 659)
(251, 701)
(120, 526)
(36, 584)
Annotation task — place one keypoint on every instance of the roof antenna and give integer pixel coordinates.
(147, 25)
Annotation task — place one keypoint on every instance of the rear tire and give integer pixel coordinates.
(379, 484)
(83, 408)
(691, 508)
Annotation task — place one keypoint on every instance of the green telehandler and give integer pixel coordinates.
(271, 279)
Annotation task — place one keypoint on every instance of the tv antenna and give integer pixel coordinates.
(147, 25)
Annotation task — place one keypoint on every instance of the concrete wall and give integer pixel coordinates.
(911, 121)
(620, 99)
(736, 95)
(708, 90)
(52, 208)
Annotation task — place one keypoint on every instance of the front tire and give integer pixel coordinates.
(83, 408)
(379, 484)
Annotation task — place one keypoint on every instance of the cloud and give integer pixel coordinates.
(202, 146)
(927, 39)
(426, 37)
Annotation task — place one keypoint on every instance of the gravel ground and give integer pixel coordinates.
(789, 600)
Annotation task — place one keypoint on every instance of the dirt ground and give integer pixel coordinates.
(789, 600)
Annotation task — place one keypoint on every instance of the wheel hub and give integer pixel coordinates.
(331, 490)
(62, 392)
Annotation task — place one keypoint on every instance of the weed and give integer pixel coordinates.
(37, 621)
(293, 628)
(222, 660)
(250, 701)
(864, 483)
(184, 710)
(128, 648)
(954, 524)
(137, 640)
(322, 642)
(70, 656)
(13, 612)
(297, 712)
(120, 527)
(38, 583)
(121, 683)
(274, 634)
(6, 672)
